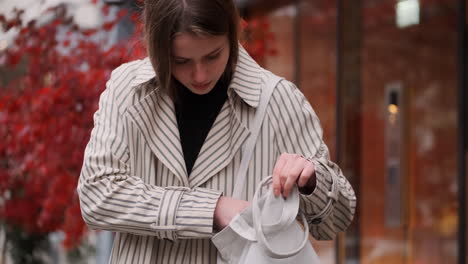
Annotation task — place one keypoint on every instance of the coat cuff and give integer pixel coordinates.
(194, 217)
(318, 205)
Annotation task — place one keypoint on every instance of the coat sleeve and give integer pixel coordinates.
(113, 199)
(330, 208)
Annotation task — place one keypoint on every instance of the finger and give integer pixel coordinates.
(295, 166)
(276, 174)
(288, 185)
(306, 174)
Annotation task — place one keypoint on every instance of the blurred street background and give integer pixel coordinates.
(387, 79)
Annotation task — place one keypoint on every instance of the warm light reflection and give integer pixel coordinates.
(393, 109)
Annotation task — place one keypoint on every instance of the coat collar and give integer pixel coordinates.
(154, 116)
(246, 81)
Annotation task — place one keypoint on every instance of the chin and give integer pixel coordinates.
(201, 91)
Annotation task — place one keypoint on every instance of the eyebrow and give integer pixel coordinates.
(209, 54)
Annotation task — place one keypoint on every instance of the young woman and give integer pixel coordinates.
(161, 163)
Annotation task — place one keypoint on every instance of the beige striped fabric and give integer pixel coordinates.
(134, 180)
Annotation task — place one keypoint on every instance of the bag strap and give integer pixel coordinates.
(290, 210)
(247, 151)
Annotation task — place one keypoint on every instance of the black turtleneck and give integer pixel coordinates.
(195, 116)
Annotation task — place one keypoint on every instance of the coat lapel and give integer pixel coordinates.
(155, 117)
(225, 138)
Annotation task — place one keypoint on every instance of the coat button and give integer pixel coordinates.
(317, 221)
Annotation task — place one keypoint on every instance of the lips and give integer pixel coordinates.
(201, 86)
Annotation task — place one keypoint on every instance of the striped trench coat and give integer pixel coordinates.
(134, 180)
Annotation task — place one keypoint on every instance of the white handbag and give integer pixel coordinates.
(267, 231)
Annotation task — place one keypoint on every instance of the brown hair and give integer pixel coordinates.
(165, 18)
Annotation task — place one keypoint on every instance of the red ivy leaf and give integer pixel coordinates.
(108, 26)
(105, 10)
(122, 13)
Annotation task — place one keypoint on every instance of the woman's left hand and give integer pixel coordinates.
(290, 169)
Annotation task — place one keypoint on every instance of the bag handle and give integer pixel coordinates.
(247, 151)
(290, 209)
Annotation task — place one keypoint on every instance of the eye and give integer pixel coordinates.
(213, 57)
(180, 62)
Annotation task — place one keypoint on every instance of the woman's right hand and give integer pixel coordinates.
(226, 209)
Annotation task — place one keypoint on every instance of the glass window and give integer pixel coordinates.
(409, 200)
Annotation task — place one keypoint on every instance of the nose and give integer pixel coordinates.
(199, 74)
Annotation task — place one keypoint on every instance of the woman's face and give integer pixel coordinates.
(199, 61)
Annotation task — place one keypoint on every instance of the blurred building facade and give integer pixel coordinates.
(385, 77)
